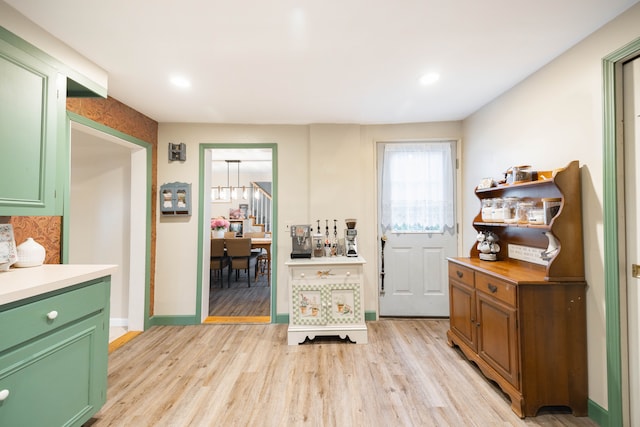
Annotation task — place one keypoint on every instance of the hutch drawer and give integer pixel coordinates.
(504, 291)
(461, 274)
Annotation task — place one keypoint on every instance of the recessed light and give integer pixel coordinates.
(429, 79)
(180, 81)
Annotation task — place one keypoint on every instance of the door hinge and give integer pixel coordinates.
(457, 163)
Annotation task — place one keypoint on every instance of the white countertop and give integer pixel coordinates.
(327, 260)
(21, 283)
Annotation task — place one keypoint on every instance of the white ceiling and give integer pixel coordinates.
(325, 61)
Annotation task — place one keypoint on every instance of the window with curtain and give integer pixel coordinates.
(417, 187)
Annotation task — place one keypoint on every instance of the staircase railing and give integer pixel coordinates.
(261, 206)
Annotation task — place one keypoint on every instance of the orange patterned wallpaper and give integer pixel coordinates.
(44, 230)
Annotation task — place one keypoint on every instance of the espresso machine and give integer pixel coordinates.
(351, 246)
(301, 241)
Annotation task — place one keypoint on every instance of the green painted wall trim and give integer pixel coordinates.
(611, 73)
(369, 316)
(205, 195)
(597, 413)
(66, 203)
(282, 318)
(80, 80)
(174, 321)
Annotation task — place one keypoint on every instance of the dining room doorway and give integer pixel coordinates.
(238, 185)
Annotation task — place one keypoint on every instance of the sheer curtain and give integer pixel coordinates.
(417, 188)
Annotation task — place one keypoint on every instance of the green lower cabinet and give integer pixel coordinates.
(56, 376)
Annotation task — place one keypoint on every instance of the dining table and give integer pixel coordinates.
(263, 243)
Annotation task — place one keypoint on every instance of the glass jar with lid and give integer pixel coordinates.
(498, 210)
(487, 210)
(510, 209)
(522, 211)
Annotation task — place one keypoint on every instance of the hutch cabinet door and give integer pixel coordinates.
(498, 337)
(463, 312)
(30, 120)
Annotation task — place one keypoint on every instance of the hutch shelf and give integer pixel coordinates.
(522, 322)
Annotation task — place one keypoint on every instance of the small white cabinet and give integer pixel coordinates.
(326, 299)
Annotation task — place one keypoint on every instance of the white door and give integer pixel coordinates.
(632, 207)
(416, 211)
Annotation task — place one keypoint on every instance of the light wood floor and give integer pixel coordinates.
(246, 375)
(237, 299)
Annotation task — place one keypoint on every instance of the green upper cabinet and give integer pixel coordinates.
(32, 106)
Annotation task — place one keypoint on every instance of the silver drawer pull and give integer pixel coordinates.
(4, 394)
(52, 315)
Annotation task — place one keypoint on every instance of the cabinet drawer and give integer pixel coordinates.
(334, 274)
(504, 291)
(461, 274)
(24, 322)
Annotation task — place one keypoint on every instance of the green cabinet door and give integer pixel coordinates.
(30, 127)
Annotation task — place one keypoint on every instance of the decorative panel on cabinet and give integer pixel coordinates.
(326, 298)
(522, 321)
(32, 116)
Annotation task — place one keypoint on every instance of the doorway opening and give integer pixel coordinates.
(107, 218)
(238, 188)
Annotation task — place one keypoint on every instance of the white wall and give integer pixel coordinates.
(176, 262)
(100, 212)
(324, 172)
(553, 117)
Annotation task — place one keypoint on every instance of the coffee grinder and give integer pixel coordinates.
(301, 241)
(351, 247)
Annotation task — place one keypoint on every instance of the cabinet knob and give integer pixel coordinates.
(52, 315)
(348, 273)
(301, 274)
(459, 274)
(4, 394)
(492, 288)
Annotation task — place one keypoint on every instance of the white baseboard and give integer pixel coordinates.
(124, 322)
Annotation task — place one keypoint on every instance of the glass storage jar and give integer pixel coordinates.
(509, 209)
(551, 207)
(522, 211)
(498, 210)
(487, 210)
(536, 215)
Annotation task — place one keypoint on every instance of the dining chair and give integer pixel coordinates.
(255, 234)
(239, 251)
(230, 235)
(219, 259)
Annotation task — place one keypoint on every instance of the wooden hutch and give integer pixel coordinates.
(523, 323)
